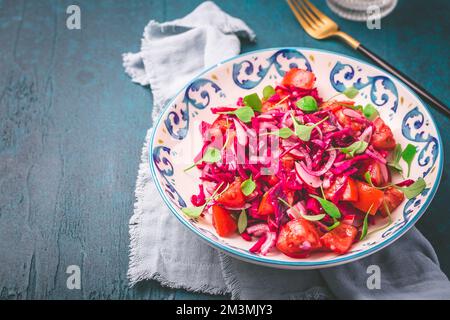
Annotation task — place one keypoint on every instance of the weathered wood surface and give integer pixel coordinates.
(72, 126)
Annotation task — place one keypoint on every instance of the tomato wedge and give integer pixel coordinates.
(265, 207)
(223, 222)
(233, 198)
(340, 239)
(393, 198)
(350, 192)
(382, 137)
(347, 121)
(299, 78)
(374, 168)
(298, 236)
(368, 198)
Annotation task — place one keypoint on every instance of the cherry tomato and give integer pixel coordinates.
(382, 137)
(265, 207)
(368, 198)
(223, 222)
(392, 198)
(299, 78)
(298, 236)
(340, 239)
(233, 196)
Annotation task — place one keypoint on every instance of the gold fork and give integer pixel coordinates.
(320, 26)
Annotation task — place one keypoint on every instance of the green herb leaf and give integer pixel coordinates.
(357, 147)
(365, 224)
(304, 131)
(242, 221)
(193, 212)
(389, 221)
(368, 178)
(283, 133)
(316, 217)
(415, 189)
(329, 207)
(245, 114)
(333, 226)
(370, 112)
(307, 104)
(268, 91)
(253, 101)
(351, 92)
(357, 107)
(211, 155)
(408, 155)
(395, 158)
(248, 186)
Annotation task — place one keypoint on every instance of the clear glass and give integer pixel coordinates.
(360, 10)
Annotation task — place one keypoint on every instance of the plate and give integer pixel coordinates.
(176, 139)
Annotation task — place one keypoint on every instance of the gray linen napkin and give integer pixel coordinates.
(162, 249)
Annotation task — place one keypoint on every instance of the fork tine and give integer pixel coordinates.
(302, 13)
(316, 11)
(312, 17)
(299, 17)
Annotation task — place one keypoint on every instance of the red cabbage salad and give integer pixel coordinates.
(293, 172)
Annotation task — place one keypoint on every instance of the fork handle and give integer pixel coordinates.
(414, 85)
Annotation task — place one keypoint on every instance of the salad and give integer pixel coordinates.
(293, 172)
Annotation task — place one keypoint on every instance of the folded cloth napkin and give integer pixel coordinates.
(162, 249)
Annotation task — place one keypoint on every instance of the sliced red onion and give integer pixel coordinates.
(325, 168)
(366, 135)
(222, 109)
(384, 172)
(309, 179)
(405, 183)
(257, 246)
(375, 155)
(245, 206)
(353, 114)
(319, 142)
(297, 211)
(271, 238)
(266, 117)
(241, 134)
(246, 236)
(258, 229)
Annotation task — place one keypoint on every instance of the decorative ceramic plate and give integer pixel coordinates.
(176, 139)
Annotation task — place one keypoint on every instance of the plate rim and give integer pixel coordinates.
(296, 264)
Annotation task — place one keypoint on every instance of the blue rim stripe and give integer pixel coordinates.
(278, 263)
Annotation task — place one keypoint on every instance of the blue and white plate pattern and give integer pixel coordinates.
(176, 138)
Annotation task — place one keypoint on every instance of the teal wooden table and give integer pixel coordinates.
(72, 127)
